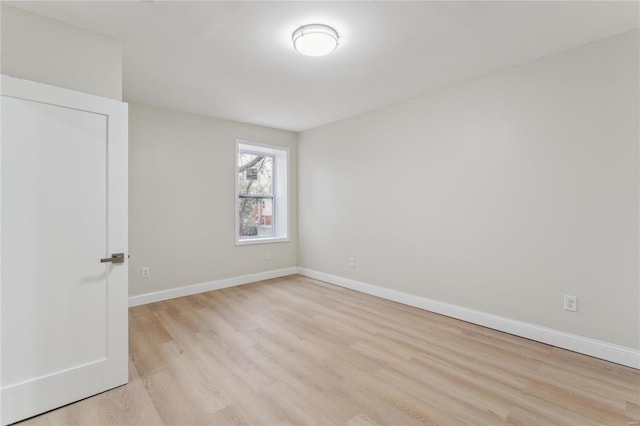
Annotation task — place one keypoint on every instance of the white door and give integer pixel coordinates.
(63, 208)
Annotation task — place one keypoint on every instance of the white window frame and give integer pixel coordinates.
(281, 191)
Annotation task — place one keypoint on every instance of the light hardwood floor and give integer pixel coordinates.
(299, 351)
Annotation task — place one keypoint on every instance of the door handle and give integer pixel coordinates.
(115, 258)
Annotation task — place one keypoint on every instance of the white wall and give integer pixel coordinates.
(500, 194)
(181, 200)
(47, 51)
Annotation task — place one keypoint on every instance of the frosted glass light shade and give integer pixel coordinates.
(315, 40)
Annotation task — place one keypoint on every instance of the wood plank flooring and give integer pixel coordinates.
(295, 351)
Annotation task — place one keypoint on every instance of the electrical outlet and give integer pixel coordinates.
(267, 256)
(352, 262)
(146, 272)
(570, 303)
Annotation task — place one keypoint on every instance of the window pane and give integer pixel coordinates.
(255, 176)
(256, 217)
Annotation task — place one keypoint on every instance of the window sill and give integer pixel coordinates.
(251, 241)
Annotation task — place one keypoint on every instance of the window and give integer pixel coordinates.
(262, 192)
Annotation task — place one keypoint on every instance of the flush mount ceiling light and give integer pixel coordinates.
(315, 40)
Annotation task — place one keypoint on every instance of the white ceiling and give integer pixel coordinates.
(234, 60)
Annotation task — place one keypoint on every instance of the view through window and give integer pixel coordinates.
(256, 195)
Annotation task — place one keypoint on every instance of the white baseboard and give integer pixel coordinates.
(592, 347)
(188, 290)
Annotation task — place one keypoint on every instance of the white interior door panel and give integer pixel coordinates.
(63, 208)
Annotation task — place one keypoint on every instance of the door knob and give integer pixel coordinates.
(115, 258)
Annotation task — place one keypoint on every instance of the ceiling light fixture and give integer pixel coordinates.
(315, 40)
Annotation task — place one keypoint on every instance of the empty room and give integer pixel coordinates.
(315, 212)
